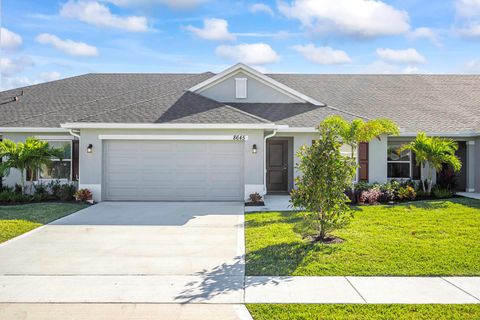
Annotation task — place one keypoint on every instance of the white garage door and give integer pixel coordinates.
(173, 170)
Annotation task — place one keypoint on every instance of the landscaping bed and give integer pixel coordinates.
(421, 238)
(18, 219)
(363, 312)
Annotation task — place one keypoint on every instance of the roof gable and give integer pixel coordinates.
(262, 88)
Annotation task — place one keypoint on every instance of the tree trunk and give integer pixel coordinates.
(22, 181)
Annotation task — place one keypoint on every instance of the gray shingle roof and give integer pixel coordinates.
(434, 103)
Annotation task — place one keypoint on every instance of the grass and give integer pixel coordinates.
(423, 238)
(18, 219)
(363, 312)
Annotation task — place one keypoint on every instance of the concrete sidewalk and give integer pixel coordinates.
(378, 290)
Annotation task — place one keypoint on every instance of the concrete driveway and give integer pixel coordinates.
(130, 252)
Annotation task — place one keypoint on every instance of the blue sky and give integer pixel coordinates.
(47, 40)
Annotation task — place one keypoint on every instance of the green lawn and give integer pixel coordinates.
(15, 220)
(419, 238)
(363, 312)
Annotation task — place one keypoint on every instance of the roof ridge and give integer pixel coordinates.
(100, 99)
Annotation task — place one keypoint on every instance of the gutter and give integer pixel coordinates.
(265, 160)
(219, 126)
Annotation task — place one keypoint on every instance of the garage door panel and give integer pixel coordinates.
(173, 170)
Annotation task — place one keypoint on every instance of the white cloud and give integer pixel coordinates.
(98, 14)
(261, 7)
(50, 76)
(473, 66)
(467, 8)
(9, 66)
(358, 18)
(8, 83)
(468, 12)
(251, 54)
(9, 41)
(67, 46)
(381, 67)
(471, 30)
(176, 4)
(213, 29)
(323, 55)
(425, 33)
(406, 56)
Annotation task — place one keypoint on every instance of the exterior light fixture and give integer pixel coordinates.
(254, 149)
(90, 148)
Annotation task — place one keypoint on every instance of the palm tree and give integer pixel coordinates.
(28, 155)
(436, 152)
(352, 133)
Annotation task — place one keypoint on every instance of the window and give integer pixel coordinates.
(61, 170)
(398, 163)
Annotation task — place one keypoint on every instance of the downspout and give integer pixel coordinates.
(265, 160)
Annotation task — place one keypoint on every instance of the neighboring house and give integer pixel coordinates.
(224, 136)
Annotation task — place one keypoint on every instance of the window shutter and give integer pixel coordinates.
(363, 161)
(75, 160)
(29, 175)
(416, 170)
(241, 88)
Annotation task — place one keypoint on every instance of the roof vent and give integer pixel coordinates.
(241, 88)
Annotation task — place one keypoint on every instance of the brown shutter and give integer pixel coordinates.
(29, 175)
(416, 171)
(363, 161)
(75, 162)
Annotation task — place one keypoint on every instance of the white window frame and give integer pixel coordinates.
(409, 161)
(57, 159)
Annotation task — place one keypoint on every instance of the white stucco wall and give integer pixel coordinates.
(257, 91)
(377, 160)
(91, 164)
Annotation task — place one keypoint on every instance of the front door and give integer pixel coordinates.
(277, 166)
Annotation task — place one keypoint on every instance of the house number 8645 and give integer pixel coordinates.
(239, 137)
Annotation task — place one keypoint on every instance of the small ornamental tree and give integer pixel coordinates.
(23, 156)
(436, 152)
(325, 174)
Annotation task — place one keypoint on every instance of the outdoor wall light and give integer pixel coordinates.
(90, 148)
(254, 149)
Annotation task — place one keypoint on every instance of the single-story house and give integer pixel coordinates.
(224, 136)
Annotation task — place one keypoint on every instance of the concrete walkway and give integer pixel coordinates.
(377, 290)
(471, 195)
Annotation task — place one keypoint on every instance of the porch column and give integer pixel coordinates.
(470, 166)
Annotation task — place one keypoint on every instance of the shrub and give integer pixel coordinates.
(11, 197)
(447, 179)
(65, 192)
(406, 193)
(371, 196)
(17, 188)
(40, 189)
(83, 195)
(441, 193)
(255, 197)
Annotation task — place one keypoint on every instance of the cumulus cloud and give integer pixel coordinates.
(406, 56)
(176, 4)
(8, 83)
(473, 66)
(9, 41)
(323, 55)
(425, 33)
(467, 8)
(468, 12)
(381, 67)
(213, 29)
(11, 66)
(100, 15)
(357, 18)
(73, 48)
(252, 54)
(261, 7)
